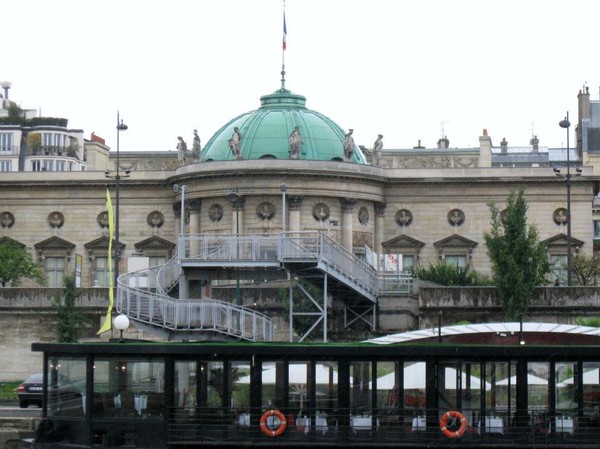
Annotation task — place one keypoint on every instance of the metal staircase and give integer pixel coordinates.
(151, 297)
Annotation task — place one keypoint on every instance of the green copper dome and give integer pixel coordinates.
(265, 133)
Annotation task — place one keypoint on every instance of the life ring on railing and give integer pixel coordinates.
(453, 424)
(277, 421)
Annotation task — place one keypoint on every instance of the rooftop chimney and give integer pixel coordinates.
(503, 145)
(6, 86)
(535, 143)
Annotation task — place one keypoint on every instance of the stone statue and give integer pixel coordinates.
(295, 143)
(235, 142)
(181, 150)
(196, 146)
(348, 145)
(377, 147)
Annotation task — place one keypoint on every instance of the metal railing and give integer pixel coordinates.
(145, 295)
(142, 301)
(381, 427)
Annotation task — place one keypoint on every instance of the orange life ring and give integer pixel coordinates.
(450, 418)
(277, 416)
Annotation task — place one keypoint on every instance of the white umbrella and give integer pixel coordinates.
(414, 378)
(591, 377)
(297, 375)
(531, 380)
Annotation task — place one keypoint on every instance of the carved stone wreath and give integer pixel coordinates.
(404, 217)
(155, 219)
(7, 220)
(363, 216)
(265, 211)
(102, 219)
(56, 219)
(560, 216)
(321, 212)
(215, 213)
(456, 217)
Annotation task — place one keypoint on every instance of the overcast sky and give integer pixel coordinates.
(410, 70)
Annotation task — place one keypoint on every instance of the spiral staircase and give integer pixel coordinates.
(157, 298)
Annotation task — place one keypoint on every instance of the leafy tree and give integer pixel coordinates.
(450, 275)
(585, 269)
(71, 322)
(519, 261)
(16, 263)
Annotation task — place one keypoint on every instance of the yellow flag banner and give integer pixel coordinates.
(111, 295)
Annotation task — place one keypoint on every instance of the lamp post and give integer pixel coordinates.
(121, 323)
(117, 177)
(566, 124)
(176, 189)
(283, 189)
(235, 199)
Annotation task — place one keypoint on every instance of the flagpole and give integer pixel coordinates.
(283, 47)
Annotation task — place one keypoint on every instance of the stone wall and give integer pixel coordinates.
(28, 315)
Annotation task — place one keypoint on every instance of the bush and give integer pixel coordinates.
(451, 275)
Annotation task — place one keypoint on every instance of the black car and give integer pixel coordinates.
(32, 388)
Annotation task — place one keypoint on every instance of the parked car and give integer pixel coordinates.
(32, 389)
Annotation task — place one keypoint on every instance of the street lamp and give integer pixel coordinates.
(566, 124)
(235, 199)
(117, 177)
(283, 189)
(121, 323)
(176, 189)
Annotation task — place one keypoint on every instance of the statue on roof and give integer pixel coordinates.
(196, 146)
(295, 143)
(235, 142)
(348, 145)
(377, 147)
(181, 150)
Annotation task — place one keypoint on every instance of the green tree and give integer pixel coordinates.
(450, 275)
(585, 269)
(302, 304)
(16, 263)
(71, 322)
(519, 261)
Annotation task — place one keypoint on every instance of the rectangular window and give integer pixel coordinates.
(66, 387)
(60, 165)
(558, 266)
(55, 271)
(408, 263)
(458, 260)
(47, 165)
(47, 140)
(597, 229)
(6, 143)
(101, 273)
(5, 166)
(36, 165)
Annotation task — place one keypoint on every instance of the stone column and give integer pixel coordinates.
(194, 206)
(294, 203)
(379, 226)
(347, 228)
(237, 219)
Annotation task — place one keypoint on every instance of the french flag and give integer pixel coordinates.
(284, 46)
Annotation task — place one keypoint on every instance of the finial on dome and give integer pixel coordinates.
(282, 77)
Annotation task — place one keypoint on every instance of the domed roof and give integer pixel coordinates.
(265, 132)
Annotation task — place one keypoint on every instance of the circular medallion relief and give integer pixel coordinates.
(404, 217)
(265, 211)
(215, 213)
(102, 219)
(155, 219)
(321, 212)
(363, 216)
(7, 220)
(456, 217)
(560, 216)
(56, 219)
